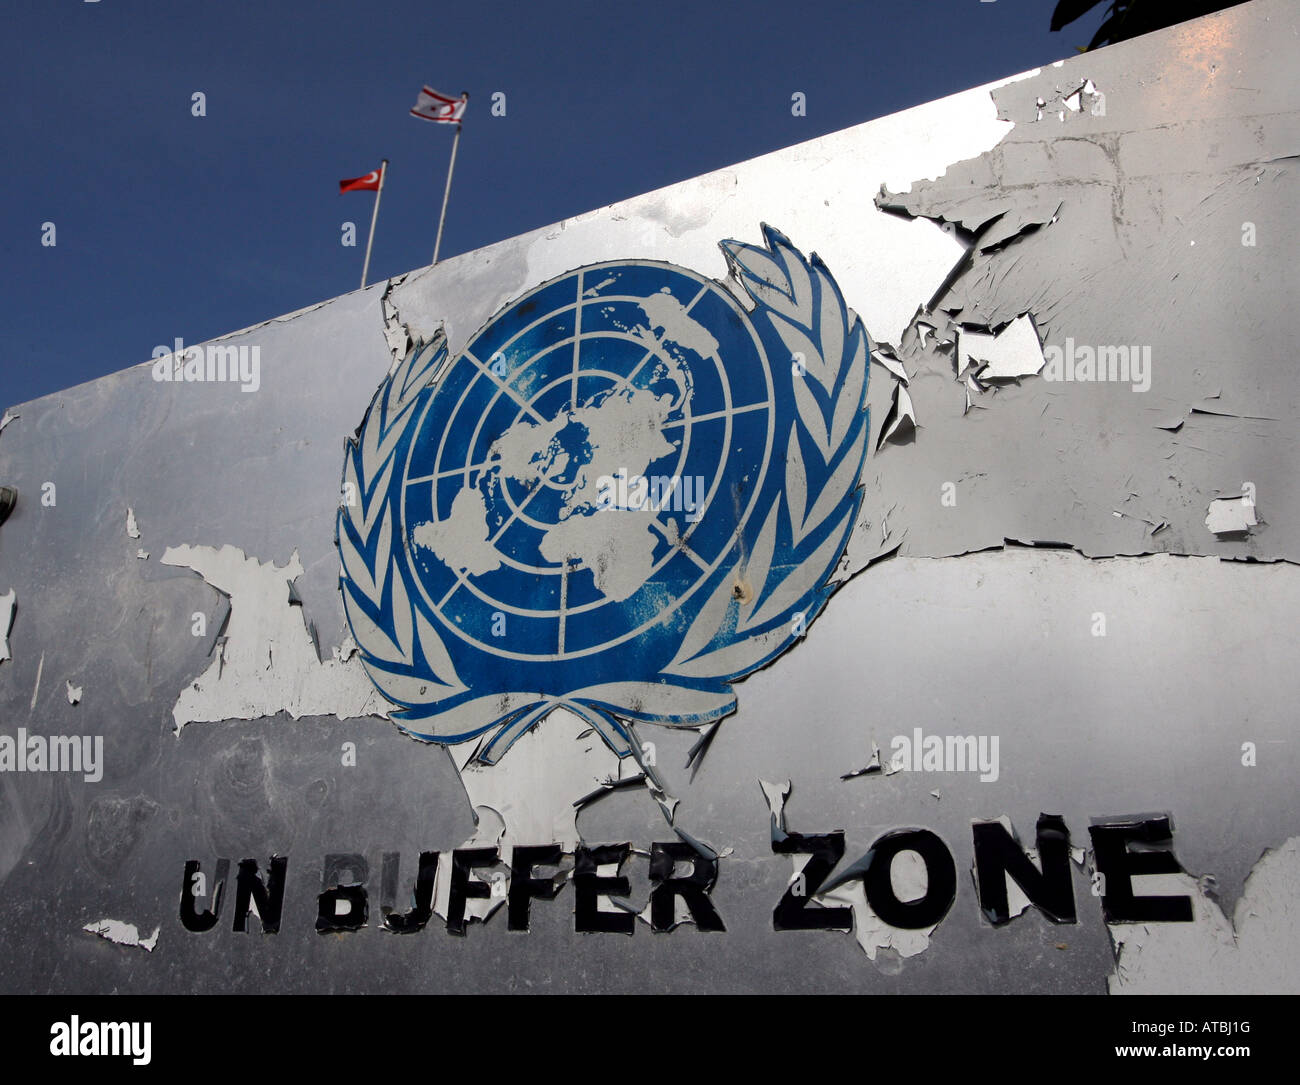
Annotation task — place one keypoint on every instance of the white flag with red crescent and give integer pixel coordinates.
(439, 108)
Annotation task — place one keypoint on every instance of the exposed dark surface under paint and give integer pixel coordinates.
(1200, 134)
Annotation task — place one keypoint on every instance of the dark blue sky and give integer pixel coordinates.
(170, 225)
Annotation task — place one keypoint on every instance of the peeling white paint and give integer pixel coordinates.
(535, 785)
(683, 224)
(776, 794)
(886, 358)
(8, 417)
(1230, 516)
(74, 693)
(1254, 953)
(36, 688)
(488, 832)
(143, 555)
(907, 874)
(124, 934)
(872, 766)
(8, 604)
(396, 334)
(532, 795)
(132, 528)
(1012, 353)
(1074, 98)
(900, 423)
(267, 662)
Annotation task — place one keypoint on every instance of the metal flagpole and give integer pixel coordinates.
(374, 217)
(446, 193)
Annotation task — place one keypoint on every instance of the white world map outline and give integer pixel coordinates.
(485, 371)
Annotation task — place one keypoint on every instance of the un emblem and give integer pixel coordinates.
(628, 491)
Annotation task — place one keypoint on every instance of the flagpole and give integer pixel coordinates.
(446, 193)
(374, 217)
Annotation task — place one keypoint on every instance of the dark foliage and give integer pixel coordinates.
(1128, 18)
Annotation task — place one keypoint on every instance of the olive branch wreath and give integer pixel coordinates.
(799, 306)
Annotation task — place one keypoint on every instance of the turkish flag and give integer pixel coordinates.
(368, 183)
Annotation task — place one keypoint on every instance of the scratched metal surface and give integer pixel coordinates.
(1200, 134)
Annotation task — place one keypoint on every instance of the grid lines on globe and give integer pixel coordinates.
(588, 460)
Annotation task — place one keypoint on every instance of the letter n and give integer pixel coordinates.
(267, 899)
(998, 856)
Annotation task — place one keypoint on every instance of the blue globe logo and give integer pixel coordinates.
(627, 491)
(586, 463)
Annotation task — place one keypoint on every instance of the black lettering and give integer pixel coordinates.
(693, 889)
(343, 904)
(194, 920)
(268, 898)
(523, 886)
(421, 900)
(1118, 865)
(792, 912)
(940, 872)
(589, 886)
(998, 856)
(464, 860)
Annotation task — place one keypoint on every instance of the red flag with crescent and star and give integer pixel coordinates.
(366, 183)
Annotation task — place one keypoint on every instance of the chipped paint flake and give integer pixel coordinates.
(124, 934)
(267, 662)
(873, 767)
(132, 528)
(908, 877)
(886, 358)
(8, 606)
(36, 687)
(536, 790)
(776, 794)
(396, 333)
(73, 692)
(1254, 953)
(907, 874)
(1012, 353)
(900, 423)
(1231, 516)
